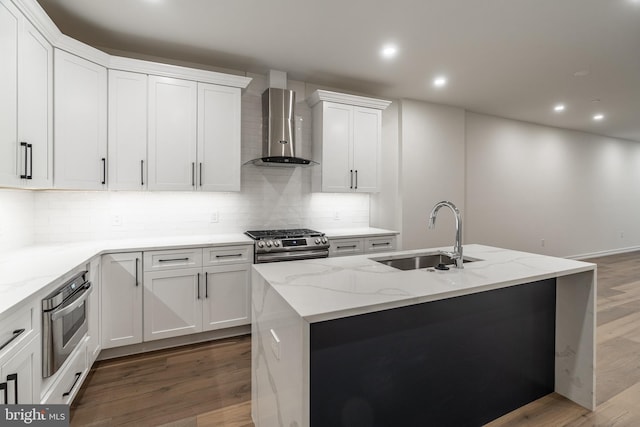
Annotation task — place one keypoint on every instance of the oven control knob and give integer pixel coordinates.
(261, 244)
(324, 240)
(268, 243)
(276, 243)
(317, 241)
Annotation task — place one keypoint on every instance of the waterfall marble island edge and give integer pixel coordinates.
(313, 317)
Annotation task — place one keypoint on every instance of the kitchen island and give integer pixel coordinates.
(351, 341)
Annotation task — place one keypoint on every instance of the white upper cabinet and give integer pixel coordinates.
(26, 96)
(128, 102)
(218, 138)
(35, 105)
(347, 138)
(9, 27)
(172, 133)
(80, 123)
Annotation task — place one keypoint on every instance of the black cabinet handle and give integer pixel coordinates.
(3, 386)
(67, 393)
(206, 285)
(141, 172)
(356, 179)
(381, 244)
(228, 256)
(346, 247)
(351, 173)
(30, 146)
(200, 174)
(14, 378)
(26, 148)
(16, 334)
(198, 284)
(173, 259)
(137, 260)
(104, 171)
(193, 174)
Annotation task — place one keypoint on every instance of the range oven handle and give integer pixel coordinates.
(291, 256)
(68, 307)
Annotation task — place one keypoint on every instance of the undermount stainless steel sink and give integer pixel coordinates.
(415, 262)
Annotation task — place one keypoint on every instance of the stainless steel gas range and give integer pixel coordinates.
(288, 244)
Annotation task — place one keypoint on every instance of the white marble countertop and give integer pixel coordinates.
(344, 233)
(26, 271)
(330, 288)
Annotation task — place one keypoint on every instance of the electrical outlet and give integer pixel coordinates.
(542, 242)
(215, 217)
(336, 216)
(116, 220)
(622, 234)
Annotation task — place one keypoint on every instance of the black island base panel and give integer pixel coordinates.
(459, 362)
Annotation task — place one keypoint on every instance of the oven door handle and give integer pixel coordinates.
(73, 305)
(291, 256)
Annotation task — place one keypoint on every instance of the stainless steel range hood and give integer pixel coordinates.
(278, 130)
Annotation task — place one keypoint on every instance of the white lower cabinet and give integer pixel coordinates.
(344, 247)
(94, 341)
(359, 246)
(67, 381)
(227, 297)
(172, 304)
(193, 296)
(121, 305)
(21, 373)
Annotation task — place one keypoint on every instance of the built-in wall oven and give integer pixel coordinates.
(64, 322)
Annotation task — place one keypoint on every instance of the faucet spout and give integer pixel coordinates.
(457, 247)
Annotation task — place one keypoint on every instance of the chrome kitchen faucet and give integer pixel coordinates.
(457, 248)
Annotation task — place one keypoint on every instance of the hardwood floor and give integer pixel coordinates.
(197, 385)
(209, 384)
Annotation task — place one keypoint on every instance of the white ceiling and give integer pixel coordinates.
(510, 58)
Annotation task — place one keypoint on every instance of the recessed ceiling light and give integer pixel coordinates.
(559, 108)
(440, 81)
(389, 51)
(598, 117)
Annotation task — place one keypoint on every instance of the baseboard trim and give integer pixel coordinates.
(145, 347)
(605, 253)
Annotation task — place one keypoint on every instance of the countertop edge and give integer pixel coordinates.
(314, 318)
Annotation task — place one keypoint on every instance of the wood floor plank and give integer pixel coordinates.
(209, 384)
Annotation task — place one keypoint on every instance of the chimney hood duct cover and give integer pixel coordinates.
(278, 130)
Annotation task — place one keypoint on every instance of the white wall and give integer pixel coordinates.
(385, 210)
(578, 192)
(16, 218)
(432, 169)
(270, 197)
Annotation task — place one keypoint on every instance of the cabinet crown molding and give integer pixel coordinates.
(177, 71)
(343, 98)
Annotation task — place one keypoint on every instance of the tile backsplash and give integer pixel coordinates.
(271, 197)
(16, 218)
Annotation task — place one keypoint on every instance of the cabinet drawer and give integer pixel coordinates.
(15, 329)
(172, 259)
(221, 255)
(380, 244)
(68, 381)
(342, 247)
